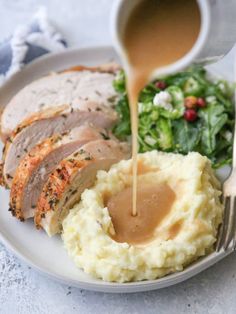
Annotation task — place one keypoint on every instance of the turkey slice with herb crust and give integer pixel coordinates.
(35, 168)
(110, 67)
(48, 123)
(72, 176)
(57, 89)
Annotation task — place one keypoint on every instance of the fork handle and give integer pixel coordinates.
(234, 135)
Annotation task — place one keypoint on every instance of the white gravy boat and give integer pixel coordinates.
(216, 38)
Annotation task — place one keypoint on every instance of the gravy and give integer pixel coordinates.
(158, 33)
(174, 230)
(154, 203)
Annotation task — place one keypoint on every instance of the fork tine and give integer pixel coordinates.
(220, 228)
(234, 236)
(231, 224)
(223, 227)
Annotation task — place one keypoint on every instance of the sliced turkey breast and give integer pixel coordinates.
(72, 176)
(35, 168)
(48, 123)
(56, 90)
(110, 67)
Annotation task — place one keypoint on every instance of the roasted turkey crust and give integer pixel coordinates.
(60, 182)
(24, 172)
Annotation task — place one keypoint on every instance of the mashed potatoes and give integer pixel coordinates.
(196, 210)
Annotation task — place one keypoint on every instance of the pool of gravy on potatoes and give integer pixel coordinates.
(158, 33)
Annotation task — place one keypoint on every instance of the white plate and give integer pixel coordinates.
(47, 254)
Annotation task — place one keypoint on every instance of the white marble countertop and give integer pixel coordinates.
(22, 289)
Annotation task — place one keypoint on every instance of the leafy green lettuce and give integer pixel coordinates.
(167, 130)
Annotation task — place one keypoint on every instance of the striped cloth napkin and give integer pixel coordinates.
(28, 42)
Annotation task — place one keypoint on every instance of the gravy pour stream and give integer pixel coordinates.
(158, 33)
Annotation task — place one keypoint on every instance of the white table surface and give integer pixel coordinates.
(22, 289)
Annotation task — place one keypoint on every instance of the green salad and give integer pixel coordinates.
(181, 113)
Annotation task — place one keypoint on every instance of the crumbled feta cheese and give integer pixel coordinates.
(222, 87)
(211, 99)
(140, 107)
(163, 100)
(149, 140)
(228, 135)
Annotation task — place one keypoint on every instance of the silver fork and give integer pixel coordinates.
(227, 231)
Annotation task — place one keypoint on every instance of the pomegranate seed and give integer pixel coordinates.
(201, 103)
(190, 102)
(161, 85)
(190, 115)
